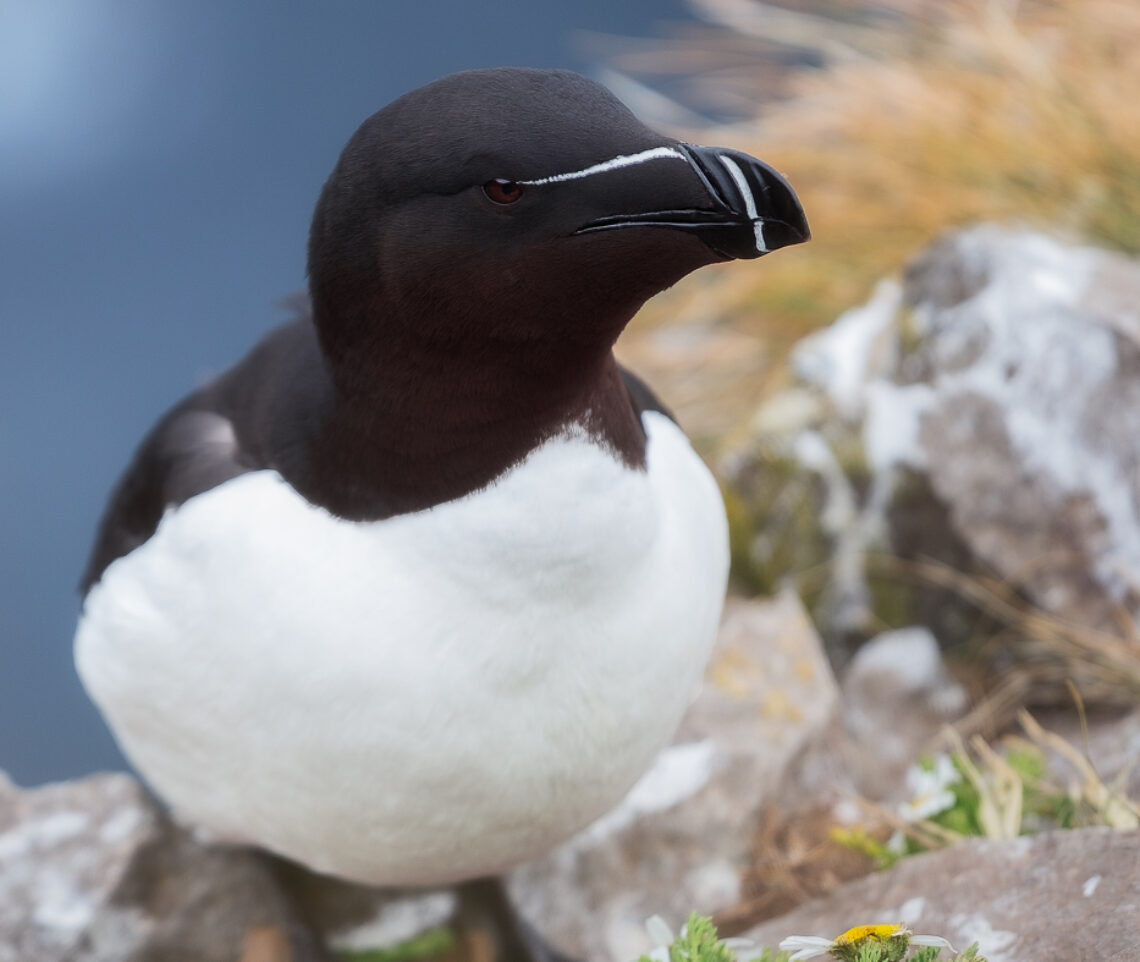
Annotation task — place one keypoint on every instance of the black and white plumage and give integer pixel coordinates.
(419, 588)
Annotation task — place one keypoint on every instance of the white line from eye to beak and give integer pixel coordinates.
(623, 160)
(737, 175)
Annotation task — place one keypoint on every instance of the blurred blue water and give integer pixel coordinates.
(158, 166)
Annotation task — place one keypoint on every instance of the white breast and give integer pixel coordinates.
(422, 699)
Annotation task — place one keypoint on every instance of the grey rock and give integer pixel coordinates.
(347, 917)
(682, 838)
(1030, 432)
(183, 900)
(986, 413)
(1060, 895)
(93, 871)
(897, 697)
(64, 850)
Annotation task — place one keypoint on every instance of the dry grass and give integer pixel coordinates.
(923, 117)
(795, 858)
(996, 114)
(1034, 782)
(1035, 658)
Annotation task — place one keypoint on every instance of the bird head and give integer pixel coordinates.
(526, 210)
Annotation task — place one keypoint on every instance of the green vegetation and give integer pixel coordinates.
(990, 794)
(698, 942)
(427, 945)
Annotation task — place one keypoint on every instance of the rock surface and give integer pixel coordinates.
(1032, 432)
(1004, 372)
(64, 850)
(1060, 895)
(682, 839)
(897, 697)
(93, 872)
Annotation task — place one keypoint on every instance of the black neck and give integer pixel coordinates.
(432, 426)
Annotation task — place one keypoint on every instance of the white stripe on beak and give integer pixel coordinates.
(624, 160)
(741, 182)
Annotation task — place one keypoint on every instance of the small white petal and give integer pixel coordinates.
(924, 806)
(922, 781)
(659, 930)
(808, 946)
(934, 940)
(803, 942)
(945, 771)
(751, 953)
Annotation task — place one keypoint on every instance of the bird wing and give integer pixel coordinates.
(641, 396)
(223, 430)
(191, 450)
(215, 434)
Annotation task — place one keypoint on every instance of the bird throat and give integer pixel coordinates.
(431, 428)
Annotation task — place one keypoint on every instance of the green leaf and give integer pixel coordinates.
(428, 945)
(699, 943)
(857, 839)
(1028, 762)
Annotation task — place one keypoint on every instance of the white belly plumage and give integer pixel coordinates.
(422, 699)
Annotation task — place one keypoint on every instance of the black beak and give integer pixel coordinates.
(753, 209)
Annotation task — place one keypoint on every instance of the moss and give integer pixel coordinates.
(895, 602)
(740, 534)
(774, 530)
(428, 945)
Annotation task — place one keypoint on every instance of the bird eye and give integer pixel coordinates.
(500, 191)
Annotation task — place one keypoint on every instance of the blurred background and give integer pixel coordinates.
(158, 166)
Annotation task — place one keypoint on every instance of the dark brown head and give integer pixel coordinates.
(520, 213)
(473, 257)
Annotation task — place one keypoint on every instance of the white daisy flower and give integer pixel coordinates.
(896, 844)
(661, 936)
(845, 947)
(806, 946)
(929, 789)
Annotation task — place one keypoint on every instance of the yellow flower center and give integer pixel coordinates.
(877, 933)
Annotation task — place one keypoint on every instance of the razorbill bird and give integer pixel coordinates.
(421, 586)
